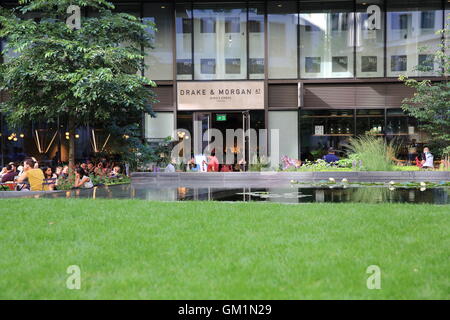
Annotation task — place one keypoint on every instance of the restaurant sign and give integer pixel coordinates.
(220, 95)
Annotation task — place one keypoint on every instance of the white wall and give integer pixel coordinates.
(287, 124)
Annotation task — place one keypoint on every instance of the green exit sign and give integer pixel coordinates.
(221, 117)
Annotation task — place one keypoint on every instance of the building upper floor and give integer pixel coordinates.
(278, 40)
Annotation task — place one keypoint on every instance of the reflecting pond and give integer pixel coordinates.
(288, 194)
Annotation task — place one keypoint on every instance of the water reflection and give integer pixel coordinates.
(301, 194)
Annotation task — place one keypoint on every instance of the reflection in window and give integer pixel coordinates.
(183, 22)
(326, 37)
(208, 25)
(184, 67)
(411, 38)
(340, 64)
(159, 59)
(220, 41)
(283, 22)
(399, 63)
(256, 68)
(208, 66)
(369, 64)
(312, 64)
(369, 39)
(232, 25)
(427, 20)
(233, 66)
(256, 40)
(426, 62)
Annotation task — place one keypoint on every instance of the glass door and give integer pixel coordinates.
(247, 139)
(202, 124)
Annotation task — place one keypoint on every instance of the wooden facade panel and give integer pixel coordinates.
(395, 93)
(282, 96)
(359, 96)
(329, 96)
(370, 96)
(164, 94)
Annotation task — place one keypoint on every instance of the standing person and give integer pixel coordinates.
(35, 176)
(427, 159)
(213, 162)
(331, 156)
(82, 180)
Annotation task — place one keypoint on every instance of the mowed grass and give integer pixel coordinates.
(133, 249)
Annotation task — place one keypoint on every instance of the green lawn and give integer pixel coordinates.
(135, 249)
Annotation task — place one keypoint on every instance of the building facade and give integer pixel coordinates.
(319, 71)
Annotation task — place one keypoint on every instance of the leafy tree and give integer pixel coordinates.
(87, 75)
(431, 101)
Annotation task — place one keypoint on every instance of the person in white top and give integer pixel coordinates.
(427, 161)
(82, 180)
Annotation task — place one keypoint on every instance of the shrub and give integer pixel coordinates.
(374, 153)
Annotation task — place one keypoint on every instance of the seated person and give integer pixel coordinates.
(4, 171)
(82, 180)
(170, 168)
(192, 166)
(427, 159)
(58, 171)
(331, 156)
(49, 174)
(100, 170)
(35, 176)
(115, 173)
(10, 174)
(226, 168)
(65, 172)
(90, 168)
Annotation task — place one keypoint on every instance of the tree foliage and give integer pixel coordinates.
(91, 75)
(431, 101)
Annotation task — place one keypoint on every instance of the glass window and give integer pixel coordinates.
(160, 127)
(184, 41)
(411, 38)
(256, 41)
(220, 44)
(159, 59)
(370, 121)
(405, 132)
(322, 129)
(326, 39)
(283, 22)
(369, 38)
